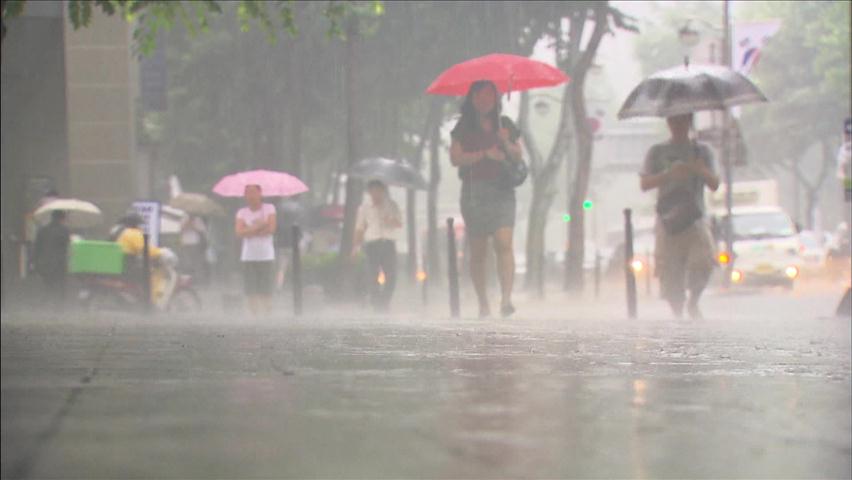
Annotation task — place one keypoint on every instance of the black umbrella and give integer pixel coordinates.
(687, 89)
(392, 172)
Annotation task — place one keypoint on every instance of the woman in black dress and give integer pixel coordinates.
(481, 140)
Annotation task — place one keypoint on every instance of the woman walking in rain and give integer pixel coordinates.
(377, 229)
(255, 225)
(684, 252)
(481, 140)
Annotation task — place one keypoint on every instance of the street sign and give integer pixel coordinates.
(150, 213)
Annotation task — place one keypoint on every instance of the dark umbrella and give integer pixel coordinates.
(293, 209)
(681, 90)
(392, 172)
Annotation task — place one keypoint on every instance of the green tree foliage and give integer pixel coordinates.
(805, 72)
(658, 47)
(155, 16)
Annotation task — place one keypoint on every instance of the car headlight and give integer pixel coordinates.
(791, 272)
(737, 276)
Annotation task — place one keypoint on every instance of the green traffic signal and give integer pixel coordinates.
(566, 218)
(588, 204)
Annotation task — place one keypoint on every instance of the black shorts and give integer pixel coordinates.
(257, 277)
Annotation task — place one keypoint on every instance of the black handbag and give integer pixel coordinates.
(678, 210)
(513, 173)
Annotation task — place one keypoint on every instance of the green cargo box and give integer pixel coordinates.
(89, 256)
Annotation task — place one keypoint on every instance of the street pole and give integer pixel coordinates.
(630, 275)
(297, 271)
(146, 273)
(726, 154)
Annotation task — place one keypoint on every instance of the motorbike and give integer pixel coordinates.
(121, 292)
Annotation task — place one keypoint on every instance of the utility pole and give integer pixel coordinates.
(726, 151)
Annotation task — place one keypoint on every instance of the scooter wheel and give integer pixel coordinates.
(98, 300)
(185, 300)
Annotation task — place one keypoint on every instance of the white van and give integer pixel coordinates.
(766, 246)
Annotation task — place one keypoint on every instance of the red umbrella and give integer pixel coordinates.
(508, 72)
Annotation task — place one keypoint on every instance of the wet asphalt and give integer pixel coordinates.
(565, 389)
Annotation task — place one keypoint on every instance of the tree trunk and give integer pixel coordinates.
(296, 111)
(433, 263)
(432, 117)
(354, 189)
(543, 176)
(411, 228)
(583, 137)
(542, 199)
(812, 190)
(580, 187)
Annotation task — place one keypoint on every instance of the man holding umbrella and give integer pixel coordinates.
(684, 252)
(680, 169)
(377, 228)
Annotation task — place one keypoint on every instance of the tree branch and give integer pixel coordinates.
(588, 55)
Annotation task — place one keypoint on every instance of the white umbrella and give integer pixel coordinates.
(197, 204)
(171, 220)
(81, 214)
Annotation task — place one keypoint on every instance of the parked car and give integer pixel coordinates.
(813, 250)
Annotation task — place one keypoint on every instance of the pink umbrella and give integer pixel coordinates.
(272, 184)
(508, 72)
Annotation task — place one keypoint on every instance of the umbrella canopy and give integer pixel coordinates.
(81, 214)
(681, 90)
(392, 172)
(272, 184)
(171, 220)
(508, 72)
(197, 204)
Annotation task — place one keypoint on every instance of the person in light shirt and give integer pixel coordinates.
(377, 228)
(256, 225)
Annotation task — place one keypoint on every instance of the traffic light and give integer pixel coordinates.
(588, 204)
(566, 217)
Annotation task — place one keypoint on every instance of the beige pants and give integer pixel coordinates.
(684, 260)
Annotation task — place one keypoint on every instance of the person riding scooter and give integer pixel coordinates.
(132, 244)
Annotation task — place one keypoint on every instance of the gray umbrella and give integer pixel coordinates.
(392, 172)
(689, 89)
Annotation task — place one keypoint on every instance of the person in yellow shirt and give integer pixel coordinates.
(132, 244)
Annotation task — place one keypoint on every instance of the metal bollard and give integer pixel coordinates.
(453, 268)
(630, 275)
(297, 271)
(146, 274)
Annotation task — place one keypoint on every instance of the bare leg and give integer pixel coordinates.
(505, 264)
(264, 304)
(478, 250)
(253, 305)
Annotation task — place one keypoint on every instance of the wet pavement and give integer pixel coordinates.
(759, 389)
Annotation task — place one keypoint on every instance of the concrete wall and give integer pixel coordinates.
(34, 137)
(100, 88)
